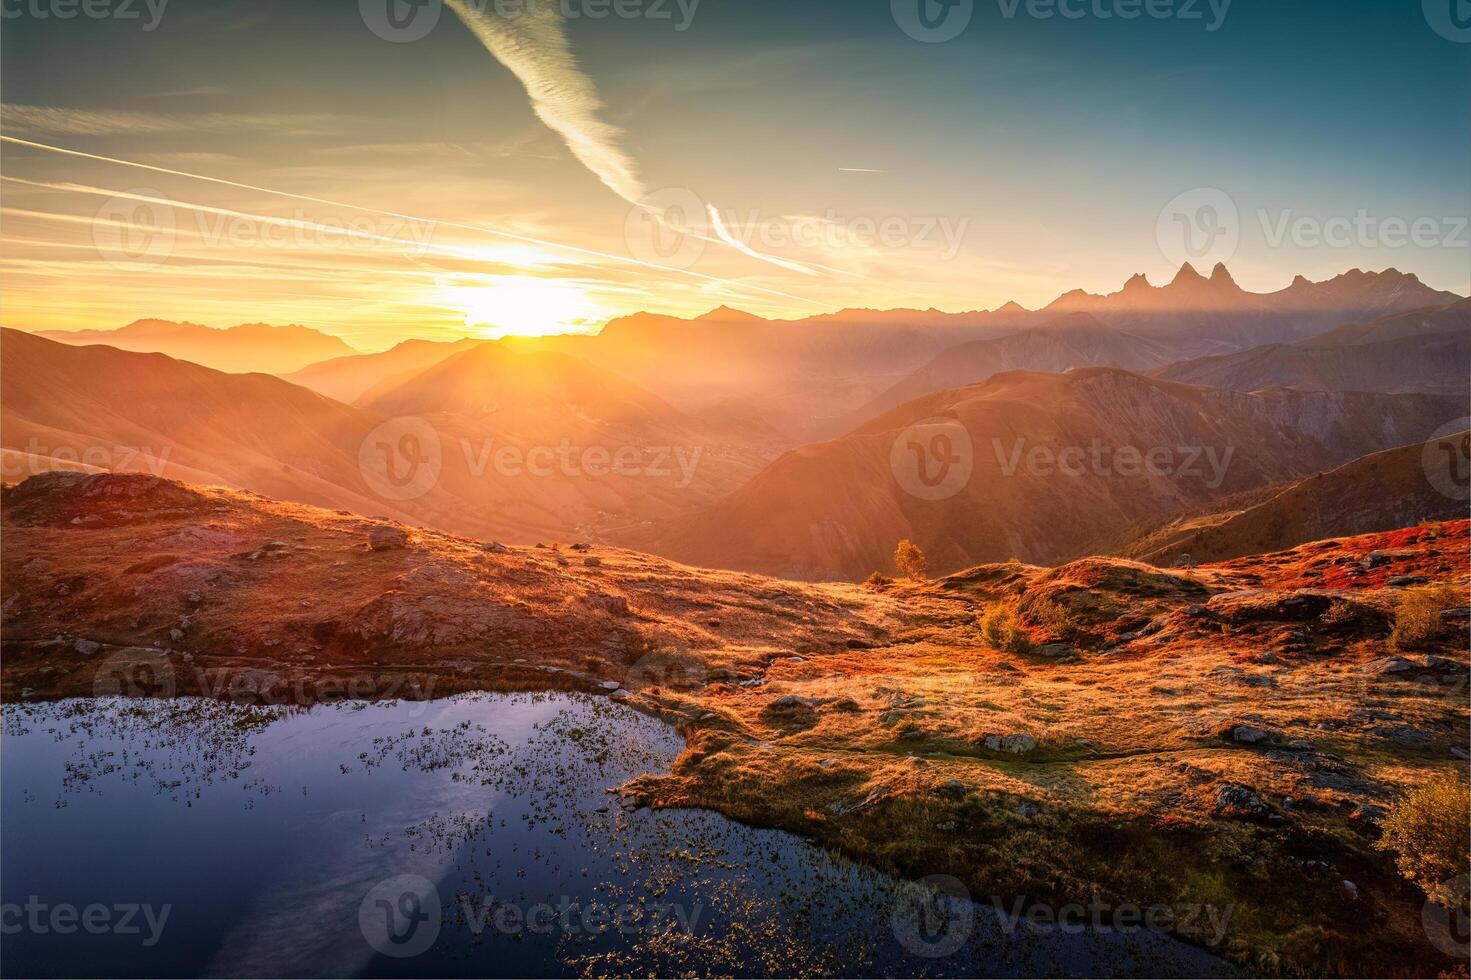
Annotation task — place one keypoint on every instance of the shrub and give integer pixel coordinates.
(1417, 621)
(1001, 631)
(878, 581)
(1428, 830)
(910, 561)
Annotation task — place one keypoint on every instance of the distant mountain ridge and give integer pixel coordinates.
(243, 349)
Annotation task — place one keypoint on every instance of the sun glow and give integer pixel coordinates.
(526, 306)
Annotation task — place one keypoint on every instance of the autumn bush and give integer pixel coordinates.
(1429, 830)
(1417, 622)
(1002, 631)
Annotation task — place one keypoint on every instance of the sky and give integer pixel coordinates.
(384, 169)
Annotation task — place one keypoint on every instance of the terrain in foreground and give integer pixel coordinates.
(1226, 737)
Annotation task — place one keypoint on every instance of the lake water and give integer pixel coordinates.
(469, 836)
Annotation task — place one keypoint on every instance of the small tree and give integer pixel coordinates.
(1428, 831)
(910, 561)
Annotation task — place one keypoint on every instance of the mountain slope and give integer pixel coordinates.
(1072, 341)
(1054, 463)
(346, 378)
(1379, 492)
(250, 347)
(1425, 350)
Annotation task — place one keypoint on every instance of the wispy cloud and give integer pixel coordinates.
(533, 45)
(717, 224)
(36, 120)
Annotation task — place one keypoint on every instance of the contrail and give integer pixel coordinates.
(533, 45)
(482, 229)
(740, 246)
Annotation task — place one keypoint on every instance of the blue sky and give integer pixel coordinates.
(1025, 156)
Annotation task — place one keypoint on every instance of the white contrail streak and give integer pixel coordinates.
(482, 229)
(718, 225)
(533, 45)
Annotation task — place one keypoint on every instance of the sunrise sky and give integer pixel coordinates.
(490, 173)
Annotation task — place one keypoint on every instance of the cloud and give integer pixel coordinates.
(533, 45)
(57, 120)
(718, 225)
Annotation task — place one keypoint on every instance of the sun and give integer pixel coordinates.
(525, 306)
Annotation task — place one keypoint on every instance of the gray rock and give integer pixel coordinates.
(494, 548)
(87, 648)
(1015, 744)
(387, 538)
(1404, 580)
(1249, 734)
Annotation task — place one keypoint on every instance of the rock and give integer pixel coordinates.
(614, 605)
(1267, 658)
(1248, 734)
(953, 787)
(1459, 752)
(1300, 745)
(275, 547)
(176, 634)
(1460, 614)
(610, 685)
(1236, 800)
(1184, 561)
(193, 598)
(1389, 665)
(1404, 580)
(1350, 888)
(86, 647)
(494, 548)
(1027, 809)
(1015, 744)
(385, 537)
(592, 562)
(580, 546)
(1402, 734)
(791, 711)
(1056, 651)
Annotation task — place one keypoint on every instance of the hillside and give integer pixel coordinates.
(250, 347)
(1379, 492)
(1074, 341)
(1213, 720)
(1037, 472)
(1426, 350)
(346, 378)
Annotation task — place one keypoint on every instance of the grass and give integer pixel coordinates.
(1417, 622)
